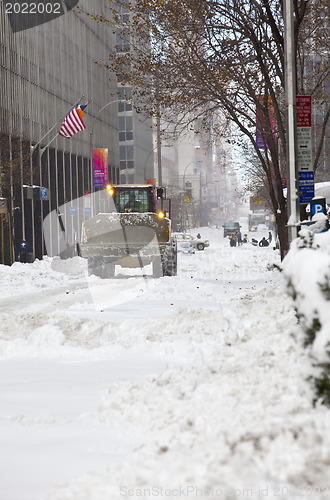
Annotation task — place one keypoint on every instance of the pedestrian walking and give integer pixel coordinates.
(233, 240)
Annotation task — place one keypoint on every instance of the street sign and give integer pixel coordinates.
(318, 206)
(88, 211)
(304, 149)
(73, 210)
(306, 186)
(151, 181)
(304, 133)
(43, 193)
(304, 110)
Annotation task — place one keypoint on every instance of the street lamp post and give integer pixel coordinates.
(184, 174)
(290, 91)
(183, 189)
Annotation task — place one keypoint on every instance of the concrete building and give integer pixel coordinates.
(135, 129)
(44, 71)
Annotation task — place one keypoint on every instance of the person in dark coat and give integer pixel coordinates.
(24, 251)
(270, 237)
(233, 240)
(263, 242)
(133, 204)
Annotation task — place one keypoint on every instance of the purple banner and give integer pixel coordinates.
(100, 167)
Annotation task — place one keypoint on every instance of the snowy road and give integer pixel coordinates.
(190, 387)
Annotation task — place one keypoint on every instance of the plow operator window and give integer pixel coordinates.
(133, 200)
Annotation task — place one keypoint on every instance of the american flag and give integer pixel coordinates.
(73, 123)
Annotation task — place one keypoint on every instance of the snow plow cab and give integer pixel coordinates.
(132, 232)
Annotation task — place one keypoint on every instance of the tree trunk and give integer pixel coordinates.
(281, 221)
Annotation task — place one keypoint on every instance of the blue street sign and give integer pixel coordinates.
(88, 211)
(318, 206)
(43, 194)
(73, 210)
(306, 186)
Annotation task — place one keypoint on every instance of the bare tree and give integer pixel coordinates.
(192, 57)
(14, 162)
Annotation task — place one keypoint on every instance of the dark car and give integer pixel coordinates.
(230, 228)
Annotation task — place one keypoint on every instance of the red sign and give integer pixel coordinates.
(284, 182)
(304, 110)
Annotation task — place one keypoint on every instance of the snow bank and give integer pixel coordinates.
(307, 271)
(190, 387)
(227, 425)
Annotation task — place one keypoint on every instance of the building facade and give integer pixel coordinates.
(135, 129)
(44, 72)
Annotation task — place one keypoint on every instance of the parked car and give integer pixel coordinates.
(198, 243)
(185, 247)
(230, 228)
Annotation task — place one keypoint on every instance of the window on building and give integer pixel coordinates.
(122, 41)
(126, 156)
(124, 93)
(125, 128)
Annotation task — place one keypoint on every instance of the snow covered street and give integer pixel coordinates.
(179, 387)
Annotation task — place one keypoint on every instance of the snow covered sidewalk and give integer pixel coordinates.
(186, 387)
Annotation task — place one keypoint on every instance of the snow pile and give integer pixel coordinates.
(180, 387)
(307, 272)
(23, 279)
(226, 425)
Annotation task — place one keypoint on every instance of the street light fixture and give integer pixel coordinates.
(184, 179)
(184, 173)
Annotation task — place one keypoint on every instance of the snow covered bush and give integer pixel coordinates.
(306, 270)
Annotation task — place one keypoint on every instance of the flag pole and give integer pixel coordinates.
(53, 139)
(56, 124)
(45, 147)
(41, 152)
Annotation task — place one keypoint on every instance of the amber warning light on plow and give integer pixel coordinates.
(110, 189)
